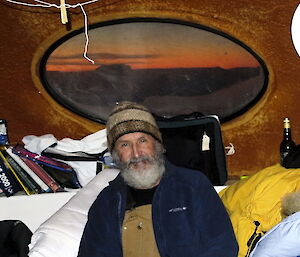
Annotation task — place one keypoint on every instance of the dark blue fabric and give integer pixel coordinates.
(189, 219)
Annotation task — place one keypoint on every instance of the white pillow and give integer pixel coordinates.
(60, 235)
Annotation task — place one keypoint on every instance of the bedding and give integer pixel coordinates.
(60, 235)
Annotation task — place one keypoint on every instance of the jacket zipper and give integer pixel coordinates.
(254, 238)
(119, 219)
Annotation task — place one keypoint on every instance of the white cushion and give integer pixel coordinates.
(60, 235)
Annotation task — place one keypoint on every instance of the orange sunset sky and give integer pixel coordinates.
(145, 45)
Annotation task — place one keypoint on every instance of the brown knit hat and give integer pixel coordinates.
(129, 117)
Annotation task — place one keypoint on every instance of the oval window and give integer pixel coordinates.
(172, 67)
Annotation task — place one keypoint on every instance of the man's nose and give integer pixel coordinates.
(136, 151)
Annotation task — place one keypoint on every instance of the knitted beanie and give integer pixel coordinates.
(129, 117)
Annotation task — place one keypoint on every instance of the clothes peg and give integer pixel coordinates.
(63, 12)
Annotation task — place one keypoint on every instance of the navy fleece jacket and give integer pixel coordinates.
(189, 219)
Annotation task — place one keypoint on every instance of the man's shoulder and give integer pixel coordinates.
(115, 185)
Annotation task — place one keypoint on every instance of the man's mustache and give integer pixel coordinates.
(134, 160)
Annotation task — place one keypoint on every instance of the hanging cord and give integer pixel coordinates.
(86, 35)
(48, 5)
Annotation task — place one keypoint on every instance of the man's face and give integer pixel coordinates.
(140, 159)
(134, 146)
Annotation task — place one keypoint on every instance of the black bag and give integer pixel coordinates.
(194, 141)
(15, 237)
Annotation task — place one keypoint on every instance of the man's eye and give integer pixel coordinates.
(122, 145)
(143, 140)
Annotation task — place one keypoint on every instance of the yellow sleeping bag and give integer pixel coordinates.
(254, 204)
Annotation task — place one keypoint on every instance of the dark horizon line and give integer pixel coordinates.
(177, 68)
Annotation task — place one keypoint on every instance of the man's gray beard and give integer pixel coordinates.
(144, 178)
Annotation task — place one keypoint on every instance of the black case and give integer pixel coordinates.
(182, 137)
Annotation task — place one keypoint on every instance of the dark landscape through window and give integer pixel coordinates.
(172, 67)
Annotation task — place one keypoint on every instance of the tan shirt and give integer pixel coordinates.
(137, 233)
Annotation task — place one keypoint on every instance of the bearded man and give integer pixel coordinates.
(153, 208)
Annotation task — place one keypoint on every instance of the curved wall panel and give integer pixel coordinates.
(263, 26)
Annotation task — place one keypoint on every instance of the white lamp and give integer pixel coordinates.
(295, 29)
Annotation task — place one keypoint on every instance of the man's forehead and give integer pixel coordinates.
(134, 136)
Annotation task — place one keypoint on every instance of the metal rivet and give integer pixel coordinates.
(140, 225)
